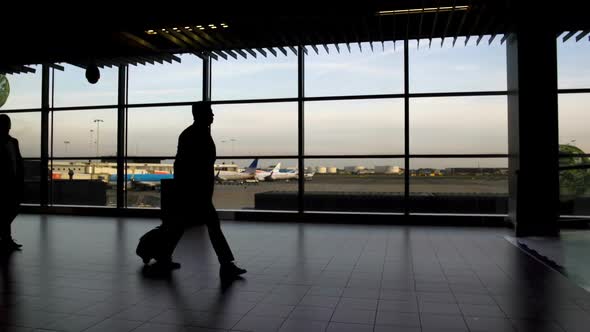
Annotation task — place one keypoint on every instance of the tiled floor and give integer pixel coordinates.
(81, 274)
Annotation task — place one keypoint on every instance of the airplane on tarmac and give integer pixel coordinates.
(143, 181)
(276, 174)
(249, 175)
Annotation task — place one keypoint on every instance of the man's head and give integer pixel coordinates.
(4, 124)
(202, 113)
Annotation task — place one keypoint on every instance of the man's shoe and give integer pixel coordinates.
(230, 270)
(11, 245)
(167, 265)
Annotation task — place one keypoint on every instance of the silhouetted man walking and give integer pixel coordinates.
(194, 175)
(12, 170)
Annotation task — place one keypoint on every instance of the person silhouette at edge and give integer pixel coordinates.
(71, 173)
(12, 170)
(194, 176)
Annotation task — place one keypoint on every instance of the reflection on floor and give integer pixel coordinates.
(569, 253)
(81, 274)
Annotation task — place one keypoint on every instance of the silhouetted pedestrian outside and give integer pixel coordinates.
(12, 188)
(194, 176)
(71, 173)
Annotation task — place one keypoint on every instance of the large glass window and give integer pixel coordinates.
(360, 71)
(573, 60)
(574, 114)
(73, 89)
(92, 135)
(255, 78)
(26, 128)
(86, 182)
(459, 125)
(459, 185)
(256, 184)
(459, 68)
(154, 131)
(574, 117)
(160, 83)
(354, 185)
(372, 126)
(346, 118)
(85, 133)
(32, 174)
(21, 91)
(255, 129)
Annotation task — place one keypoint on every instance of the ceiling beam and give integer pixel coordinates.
(315, 49)
(420, 26)
(196, 38)
(140, 41)
(283, 50)
(241, 53)
(261, 51)
(173, 39)
(474, 26)
(460, 26)
(486, 29)
(231, 53)
(434, 23)
(582, 35)
(251, 52)
(221, 54)
(448, 24)
(56, 66)
(569, 35)
(504, 38)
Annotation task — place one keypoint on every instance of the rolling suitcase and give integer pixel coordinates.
(158, 243)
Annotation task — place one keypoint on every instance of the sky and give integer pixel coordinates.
(375, 126)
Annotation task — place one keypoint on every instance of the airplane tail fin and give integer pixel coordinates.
(252, 168)
(277, 168)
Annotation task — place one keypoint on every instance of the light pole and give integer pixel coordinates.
(98, 121)
(91, 139)
(66, 143)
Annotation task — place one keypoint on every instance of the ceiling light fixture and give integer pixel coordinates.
(422, 10)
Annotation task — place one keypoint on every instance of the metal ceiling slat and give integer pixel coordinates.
(283, 50)
(504, 38)
(449, 20)
(173, 40)
(262, 51)
(569, 35)
(486, 29)
(474, 26)
(56, 66)
(582, 35)
(461, 23)
(251, 52)
(434, 23)
(221, 54)
(196, 38)
(420, 26)
(241, 53)
(315, 49)
(231, 53)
